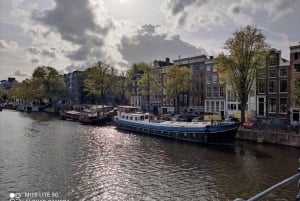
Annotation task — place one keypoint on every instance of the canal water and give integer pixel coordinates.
(42, 157)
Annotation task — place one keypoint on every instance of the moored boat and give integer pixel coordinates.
(208, 132)
(70, 115)
(95, 115)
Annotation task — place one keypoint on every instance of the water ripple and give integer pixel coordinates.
(101, 163)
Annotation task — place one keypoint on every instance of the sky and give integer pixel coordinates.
(75, 34)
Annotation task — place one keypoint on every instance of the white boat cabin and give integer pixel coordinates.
(130, 113)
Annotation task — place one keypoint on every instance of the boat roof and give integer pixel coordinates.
(185, 124)
(125, 106)
(72, 112)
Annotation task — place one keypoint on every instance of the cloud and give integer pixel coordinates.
(33, 50)
(11, 45)
(150, 43)
(178, 6)
(20, 74)
(279, 8)
(193, 15)
(34, 60)
(47, 53)
(36, 52)
(74, 20)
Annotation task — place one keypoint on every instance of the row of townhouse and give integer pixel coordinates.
(272, 94)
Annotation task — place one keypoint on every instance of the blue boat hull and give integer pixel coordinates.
(220, 134)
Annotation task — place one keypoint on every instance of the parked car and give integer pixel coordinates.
(249, 124)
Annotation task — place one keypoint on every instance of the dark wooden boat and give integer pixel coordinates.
(71, 115)
(96, 115)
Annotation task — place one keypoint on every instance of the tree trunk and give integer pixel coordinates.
(243, 111)
(148, 101)
(177, 104)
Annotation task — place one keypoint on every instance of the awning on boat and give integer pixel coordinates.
(214, 117)
(238, 116)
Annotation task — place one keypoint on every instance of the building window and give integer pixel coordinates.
(273, 60)
(222, 105)
(283, 72)
(221, 91)
(208, 91)
(283, 85)
(272, 73)
(283, 105)
(272, 86)
(215, 69)
(272, 105)
(207, 106)
(208, 79)
(195, 66)
(231, 106)
(215, 91)
(231, 96)
(261, 86)
(212, 106)
(217, 106)
(208, 67)
(297, 55)
(215, 79)
(261, 73)
(297, 67)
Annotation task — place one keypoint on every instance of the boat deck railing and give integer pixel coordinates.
(269, 190)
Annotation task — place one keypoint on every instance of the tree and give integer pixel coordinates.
(48, 82)
(247, 53)
(148, 85)
(3, 95)
(97, 82)
(178, 81)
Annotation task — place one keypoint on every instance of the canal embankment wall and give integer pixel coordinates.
(291, 138)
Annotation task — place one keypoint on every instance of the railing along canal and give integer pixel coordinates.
(266, 192)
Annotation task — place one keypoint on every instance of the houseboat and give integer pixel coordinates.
(70, 115)
(208, 132)
(96, 115)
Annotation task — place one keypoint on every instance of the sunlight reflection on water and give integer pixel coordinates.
(39, 153)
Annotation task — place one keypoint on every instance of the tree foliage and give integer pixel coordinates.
(178, 80)
(247, 53)
(48, 82)
(98, 81)
(136, 69)
(44, 83)
(3, 95)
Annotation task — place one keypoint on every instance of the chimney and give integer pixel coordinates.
(167, 61)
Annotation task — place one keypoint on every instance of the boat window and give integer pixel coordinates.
(126, 117)
(146, 116)
(136, 118)
(122, 116)
(130, 118)
(142, 118)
